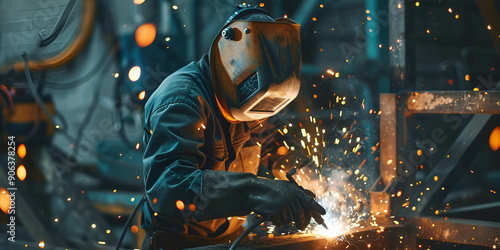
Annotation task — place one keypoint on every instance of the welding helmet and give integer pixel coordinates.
(255, 65)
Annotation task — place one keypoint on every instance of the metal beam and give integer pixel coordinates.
(461, 231)
(401, 44)
(358, 238)
(456, 102)
(388, 156)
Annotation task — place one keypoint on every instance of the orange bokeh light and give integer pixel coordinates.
(134, 73)
(21, 151)
(179, 204)
(145, 34)
(142, 95)
(282, 150)
(4, 200)
(21, 172)
(495, 139)
(134, 229)
(192, 207)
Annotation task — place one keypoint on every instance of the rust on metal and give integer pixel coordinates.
(454, 102)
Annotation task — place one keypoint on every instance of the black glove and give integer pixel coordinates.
(283, 202)
(227, 194)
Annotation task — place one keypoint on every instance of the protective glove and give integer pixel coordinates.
(227, 194)
(283, 202)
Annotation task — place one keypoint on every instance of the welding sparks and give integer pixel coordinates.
(142, 95)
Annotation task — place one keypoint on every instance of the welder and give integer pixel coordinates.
(203, 140)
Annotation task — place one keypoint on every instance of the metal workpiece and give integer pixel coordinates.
(460, 231)
(361, 238)
(454, 102)
(388, 156)
(380, 192)
(384, 203)
(380, 199)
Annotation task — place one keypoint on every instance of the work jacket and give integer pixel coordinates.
(185, 135)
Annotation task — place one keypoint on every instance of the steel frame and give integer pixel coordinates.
(396, 108)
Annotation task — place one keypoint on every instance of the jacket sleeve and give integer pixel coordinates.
(172, 159)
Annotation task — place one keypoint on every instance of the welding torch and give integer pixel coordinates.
(317, 217)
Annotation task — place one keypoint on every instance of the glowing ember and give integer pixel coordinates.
(4, 200)
(192, 207)
(21, 172)
(494, 140)
(142, 95)
(180, 205)
(21, 151)
(134, 73)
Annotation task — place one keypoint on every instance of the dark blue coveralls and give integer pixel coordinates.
(186, 136)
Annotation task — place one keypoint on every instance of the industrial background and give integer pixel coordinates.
(398, 113)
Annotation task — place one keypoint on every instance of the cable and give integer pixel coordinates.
(98, 67)
(33, 89)
(122, 235)
(35, 126)
(60, 24)
(102, 156)
(9, 98)
(246, 232)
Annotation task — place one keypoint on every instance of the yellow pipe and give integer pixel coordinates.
(73, 49)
